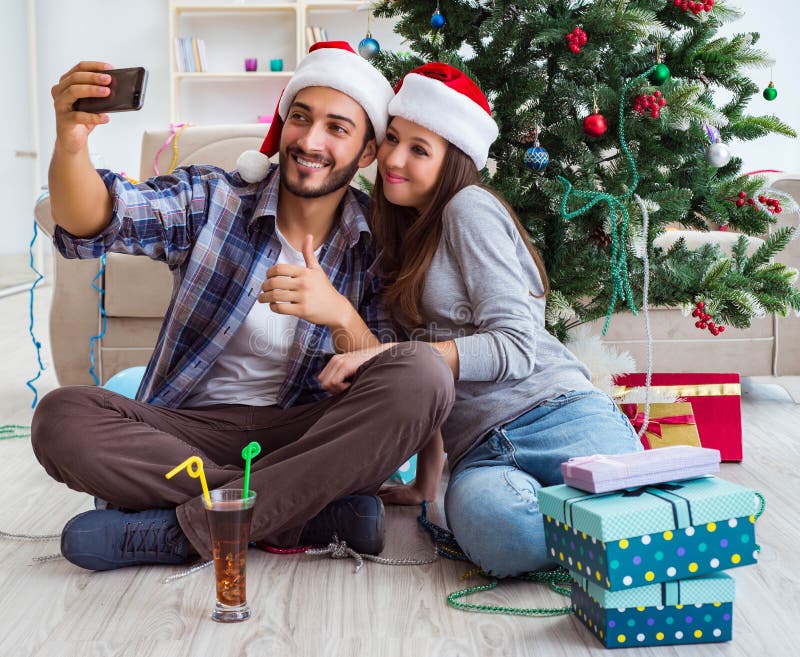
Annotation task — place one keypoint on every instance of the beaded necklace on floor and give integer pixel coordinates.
(446, 546)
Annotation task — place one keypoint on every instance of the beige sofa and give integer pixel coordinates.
(137, 292)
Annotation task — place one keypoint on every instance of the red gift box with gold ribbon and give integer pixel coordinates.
(716, 402)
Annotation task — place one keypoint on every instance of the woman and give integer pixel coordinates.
(462, 275)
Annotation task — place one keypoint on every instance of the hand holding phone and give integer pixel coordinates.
(127, 87)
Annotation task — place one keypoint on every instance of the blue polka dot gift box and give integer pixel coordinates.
(651, 534)
(697, 610)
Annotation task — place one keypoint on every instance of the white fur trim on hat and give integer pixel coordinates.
(252, 166)
(346, 72)
(448, 113)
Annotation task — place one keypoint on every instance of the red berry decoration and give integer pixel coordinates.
(649, 104)
(694, 7)
(595, 125)
(772, 204)
(576, 39)
(704, 320)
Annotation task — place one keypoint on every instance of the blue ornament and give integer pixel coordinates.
(126, 382)
(536, 158)
(437, 20)
(368, 47)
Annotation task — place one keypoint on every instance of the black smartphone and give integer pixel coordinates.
(127, 93)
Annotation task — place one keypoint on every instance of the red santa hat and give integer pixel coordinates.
(444, 100)
(331, 64)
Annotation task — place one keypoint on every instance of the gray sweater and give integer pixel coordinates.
(477, 293)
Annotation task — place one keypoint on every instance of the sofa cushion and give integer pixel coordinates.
(136, 286)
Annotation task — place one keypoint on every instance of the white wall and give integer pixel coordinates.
(777, 22)
(135, 34)
(119, 32)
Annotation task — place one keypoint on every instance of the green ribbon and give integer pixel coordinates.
(621, 288)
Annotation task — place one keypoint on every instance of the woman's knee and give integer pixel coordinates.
(494, 515)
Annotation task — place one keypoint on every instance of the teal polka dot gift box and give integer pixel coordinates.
(698, 610)
(650, 534)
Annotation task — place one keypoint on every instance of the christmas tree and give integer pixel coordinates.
(563, 77)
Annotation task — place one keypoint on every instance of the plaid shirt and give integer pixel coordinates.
(217, 235)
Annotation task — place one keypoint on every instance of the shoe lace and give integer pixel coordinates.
(144, 538)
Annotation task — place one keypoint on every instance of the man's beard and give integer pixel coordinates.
(336, 178)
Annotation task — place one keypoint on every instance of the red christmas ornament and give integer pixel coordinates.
(595, 125)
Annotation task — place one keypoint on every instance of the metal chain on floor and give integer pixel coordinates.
(340, 550)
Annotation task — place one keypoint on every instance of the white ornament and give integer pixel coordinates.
(718, 155)
(252, 166)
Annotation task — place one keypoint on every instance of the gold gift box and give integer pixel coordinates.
(668, 424)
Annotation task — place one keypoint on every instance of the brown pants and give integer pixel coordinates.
(119, 449)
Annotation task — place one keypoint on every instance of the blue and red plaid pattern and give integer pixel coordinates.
(217, 235)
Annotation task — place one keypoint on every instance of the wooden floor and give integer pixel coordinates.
(304, 606)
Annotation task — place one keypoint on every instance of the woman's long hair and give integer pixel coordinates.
(409, 238)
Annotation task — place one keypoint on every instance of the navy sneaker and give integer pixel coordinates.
(105, 540)
(357, 519)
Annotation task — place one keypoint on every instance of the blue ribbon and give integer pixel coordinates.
(36, 343)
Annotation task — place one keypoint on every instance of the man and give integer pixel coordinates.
(227, 370)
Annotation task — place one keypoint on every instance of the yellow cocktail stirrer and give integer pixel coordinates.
(194, 468)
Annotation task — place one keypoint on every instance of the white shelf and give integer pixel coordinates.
(244, 75)
(234, 9)
(345, 5)
(234, 31)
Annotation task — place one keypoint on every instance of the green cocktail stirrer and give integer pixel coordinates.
(248, 454)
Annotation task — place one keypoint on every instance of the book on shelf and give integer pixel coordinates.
(190, 55)
(314, 34)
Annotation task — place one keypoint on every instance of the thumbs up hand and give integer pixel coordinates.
(305, 292)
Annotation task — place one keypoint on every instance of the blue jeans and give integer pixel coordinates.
(491, 501)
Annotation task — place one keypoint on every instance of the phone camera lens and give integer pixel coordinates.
(136, 96)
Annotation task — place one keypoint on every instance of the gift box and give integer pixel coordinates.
(697, 610)
(601, 473)
(668, 424)
(716, 403)
(406, 473)
(650, 534)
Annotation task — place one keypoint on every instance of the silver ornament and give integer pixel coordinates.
(718, 155)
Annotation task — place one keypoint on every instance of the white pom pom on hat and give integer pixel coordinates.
(444, 100)
(331, 64)
(252, 166)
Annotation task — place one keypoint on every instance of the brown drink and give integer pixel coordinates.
(229, 527)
